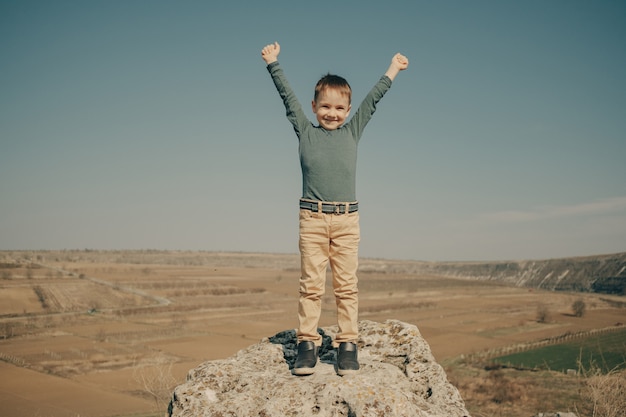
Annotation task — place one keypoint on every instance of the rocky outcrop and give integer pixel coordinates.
(399, 377)
(602, 273)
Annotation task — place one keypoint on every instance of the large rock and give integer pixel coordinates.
(399, 377)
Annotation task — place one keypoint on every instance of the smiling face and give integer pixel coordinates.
(331, 107)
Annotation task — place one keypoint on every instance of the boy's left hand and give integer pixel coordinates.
(400, 62)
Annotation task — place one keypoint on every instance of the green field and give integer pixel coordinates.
(605, 352)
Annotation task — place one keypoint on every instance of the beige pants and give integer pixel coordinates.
(323, 238)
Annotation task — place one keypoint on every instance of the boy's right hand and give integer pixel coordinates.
(270, 53)
(398, 63)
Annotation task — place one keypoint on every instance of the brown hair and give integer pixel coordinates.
(333, 81)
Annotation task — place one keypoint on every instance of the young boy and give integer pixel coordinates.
(329, 217)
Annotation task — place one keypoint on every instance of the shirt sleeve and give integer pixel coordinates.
(368, 106)
(295, 114)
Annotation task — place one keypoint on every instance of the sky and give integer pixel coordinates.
(152, 124)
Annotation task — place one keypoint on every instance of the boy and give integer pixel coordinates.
(329, 217)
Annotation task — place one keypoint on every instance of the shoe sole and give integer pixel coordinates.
(303, 371)
(342, 372)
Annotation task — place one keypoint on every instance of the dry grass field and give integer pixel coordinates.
(102, 334)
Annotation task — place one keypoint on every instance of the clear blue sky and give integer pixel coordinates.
(155, 125)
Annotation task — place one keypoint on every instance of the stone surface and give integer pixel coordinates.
(399, 377)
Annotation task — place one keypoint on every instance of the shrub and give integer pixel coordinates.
(543, 313)
(579, 307)
(604, 393)
(156, 380)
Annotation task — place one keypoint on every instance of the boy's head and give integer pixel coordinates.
(331, 102)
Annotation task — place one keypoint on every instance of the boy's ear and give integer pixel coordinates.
(313, 106)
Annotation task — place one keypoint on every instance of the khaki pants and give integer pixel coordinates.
(323, 238)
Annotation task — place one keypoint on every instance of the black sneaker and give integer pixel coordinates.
(306, 359)
(347, 361)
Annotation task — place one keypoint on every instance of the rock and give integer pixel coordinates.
(399, 377)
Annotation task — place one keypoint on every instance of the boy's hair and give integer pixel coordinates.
(333, 81)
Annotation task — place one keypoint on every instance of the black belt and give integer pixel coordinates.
(329, 208)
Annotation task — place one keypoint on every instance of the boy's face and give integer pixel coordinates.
(331, 108)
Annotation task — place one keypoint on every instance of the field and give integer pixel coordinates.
(605, 352)
(102, 334)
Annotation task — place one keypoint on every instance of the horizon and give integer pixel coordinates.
(295, 254)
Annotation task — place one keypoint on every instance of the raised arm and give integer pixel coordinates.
(270, 52)
(295, 114)
(398, 63)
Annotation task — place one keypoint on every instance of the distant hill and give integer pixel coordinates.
(601, 274)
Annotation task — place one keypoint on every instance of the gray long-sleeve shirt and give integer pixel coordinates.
(328, 157)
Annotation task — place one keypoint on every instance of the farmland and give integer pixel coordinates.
(606, 351)
(110, 333)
